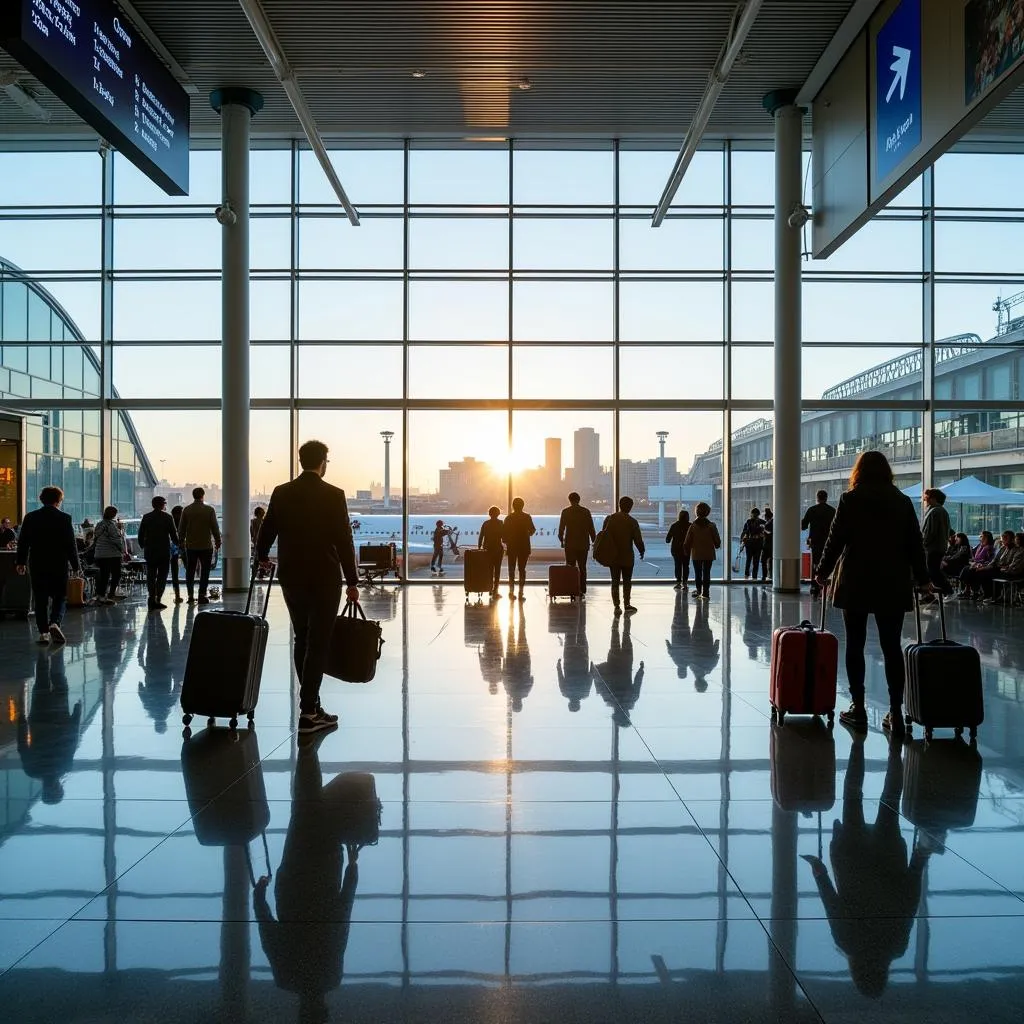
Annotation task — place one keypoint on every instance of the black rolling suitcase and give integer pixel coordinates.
(802, 754)
(356, 645)
(225, 662)
(478, 569)
(941, 782)
(16, 595)
(944, 689)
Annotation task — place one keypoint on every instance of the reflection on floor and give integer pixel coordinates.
(579, 818)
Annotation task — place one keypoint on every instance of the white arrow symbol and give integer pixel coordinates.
(901, 65)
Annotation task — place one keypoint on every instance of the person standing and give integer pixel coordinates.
(702, 543)
(752, 539)
(200, 535)
(254, 531)
(817, 521)
(576, 533)
(935, 532)
(676, 540)
(516, 532)
(46, 548)
(874, 578)
(437, 557)
(490, 541)
(176, 551)
(108, 552)
(624, 532)
(309, 520)
(767, 548)
(157, 538)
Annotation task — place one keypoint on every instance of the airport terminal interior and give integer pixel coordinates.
(686, 253)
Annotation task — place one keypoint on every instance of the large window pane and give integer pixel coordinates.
(350, 371)
(679, 244)
(133, 187)
(458, 243)
(979, 247)
(168, 243)
(270, 371)
(350, 310)
(670, 311)
(38, 246)
(370, 176)
(562, 371)
(331, 243)
(563, 178)
(458, 310)
(972, 180)
(270, 454)
(643, 174)
(967, 309)
(458, 177)
(563, 243)
(562, 311)
(753, 371)
(184, 447)
(458, 371)
(689, 372)
(835, 372)
(167, 371)
(51, 178)
(862, 312)
(751, 480)
(167, 310)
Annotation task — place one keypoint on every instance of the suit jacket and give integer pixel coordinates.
(156, 535)
(308, 518)
(198, 528)
(516, 531)
(625, 534)
(817, 521)
(576, 527)
(47, 542)
(878, 538)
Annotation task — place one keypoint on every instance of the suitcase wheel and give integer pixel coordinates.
(782, 717)
(774, 712)
(186, 719)
(233, 724)
(252, 718)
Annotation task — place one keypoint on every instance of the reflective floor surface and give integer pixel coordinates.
(579, 819)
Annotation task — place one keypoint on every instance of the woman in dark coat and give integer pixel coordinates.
(875, 554)
(676, 541)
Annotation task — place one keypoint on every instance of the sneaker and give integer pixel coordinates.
(855, 717)
(696, 593)
(44, 638)
(618, 610)
(57, 634)
(316, 722)
(894, 724)
(326, 716)
(678, 586)
(630, 610)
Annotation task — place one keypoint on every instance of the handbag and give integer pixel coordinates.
(75, 594)
(604, 548)
(356, 645)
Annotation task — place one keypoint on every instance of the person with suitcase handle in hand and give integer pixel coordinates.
(874, 555)
(308, 518)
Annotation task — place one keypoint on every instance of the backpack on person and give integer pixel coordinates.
(604, 548)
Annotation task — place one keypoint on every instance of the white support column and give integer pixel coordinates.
(786, 455)
(236, 108)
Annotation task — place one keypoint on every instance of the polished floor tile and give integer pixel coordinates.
(535, 812)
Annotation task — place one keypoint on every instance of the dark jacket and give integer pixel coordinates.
(308, 518)
(576, 528)
(46, 543)
(624, 531)
(817, 521)
(490, 535)
(7, 537)
(198, 527)
(935, 530)
(516, 531)
(156, 535)
(753, 531)
(703, 540)
(676, 538)
(874, 549)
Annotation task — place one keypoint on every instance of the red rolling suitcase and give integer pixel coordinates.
(803, 766)
(478, 571)
(805, 567)
(944, 688)
(804, 667)
(225, 662)
(563, 581)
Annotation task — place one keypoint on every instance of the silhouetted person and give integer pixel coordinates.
(768, 547)
(157, 538)
(306, 944)
(756, 621)
(438, 537)
(516, 532)
(625, 534)
(518, 671)
(108, 549)
(704, 649)
(752, 539)
(873, 903)
(176, 554)
(935, 531)
(46, 551)
(575, 678)
(159, 692)
(48, 735)
(576, 534)
(614, 678)
(491, 542)
(702, 543)
(8, 538)
(490, 653)
(678, 642)
(258, 515)
(200, 535)
(676, 540)
(817, 521)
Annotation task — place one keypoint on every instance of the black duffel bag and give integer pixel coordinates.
(356, 644)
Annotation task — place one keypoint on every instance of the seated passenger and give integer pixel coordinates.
(1010, 562)
(984, 555)
(957, 555)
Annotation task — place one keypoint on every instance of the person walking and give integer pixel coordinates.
(108, 553)
(255, 523)
(625, 535)
(935, 532)
(752, 539)
(46, 548)
(437, 557)
(157, 538)
(702, 543)
(308, 518)
(676, 540)
(200, 535)
(576, 533)
(176, 553)
(817, 521)
(767, 548)
(490, 541)
(872, 577)
(516, 532)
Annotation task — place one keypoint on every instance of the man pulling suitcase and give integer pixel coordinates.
(308, 519)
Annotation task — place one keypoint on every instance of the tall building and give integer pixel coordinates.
(467, 483)
(553, 459)
(586, 458)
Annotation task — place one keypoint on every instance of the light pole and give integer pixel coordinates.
(387, 435)
(268, 462)
(662, 437)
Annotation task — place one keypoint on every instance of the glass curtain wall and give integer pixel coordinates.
(506, 323)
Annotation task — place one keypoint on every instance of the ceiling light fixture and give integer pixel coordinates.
(524, 84)
(23, 98)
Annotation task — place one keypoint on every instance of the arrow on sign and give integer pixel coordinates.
(901, 65)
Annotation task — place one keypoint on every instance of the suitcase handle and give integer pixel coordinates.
(917, 616)
(252, 590)
(248, 860)
(354, 610)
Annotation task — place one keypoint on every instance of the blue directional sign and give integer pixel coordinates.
(897, 88)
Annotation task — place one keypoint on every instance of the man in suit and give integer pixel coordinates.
(200, 536)
(309, 520)
(156, 535)
(46, 547)
(817, 521)
(575, 534)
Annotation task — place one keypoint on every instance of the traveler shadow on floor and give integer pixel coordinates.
(615, 679)
(691, 643)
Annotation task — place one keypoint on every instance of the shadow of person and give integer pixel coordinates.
(872, 903)
(755, 614)
(704, 648)
(305, 945)
(159, 692)
(614, 678)
(48, 734)
(574, 669)
(678, 642)
(517, 674)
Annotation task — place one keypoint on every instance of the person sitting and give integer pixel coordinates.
(8, 538)
(982, 557)
(1008, 565)
(958, 554)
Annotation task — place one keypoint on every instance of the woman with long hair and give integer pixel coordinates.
(874, 555)
(676, 540)
(109, 554)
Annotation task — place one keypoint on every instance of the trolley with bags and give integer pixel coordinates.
(944, 687)
(804, 669)
(224, 665)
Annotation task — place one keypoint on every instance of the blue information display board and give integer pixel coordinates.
(91, 56)
(897, 88)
